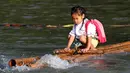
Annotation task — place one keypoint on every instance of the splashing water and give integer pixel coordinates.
(55, 62)
(21, 68)
(50, 60)
(4, 63)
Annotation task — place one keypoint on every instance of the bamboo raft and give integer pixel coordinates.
(74, 55)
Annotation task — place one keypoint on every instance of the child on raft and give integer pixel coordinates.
(78, 32)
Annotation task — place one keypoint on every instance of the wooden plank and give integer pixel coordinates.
(100, 50)
(68, 55)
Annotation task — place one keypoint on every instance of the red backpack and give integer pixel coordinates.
(99, 29)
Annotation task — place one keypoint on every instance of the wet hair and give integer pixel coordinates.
(79, 10)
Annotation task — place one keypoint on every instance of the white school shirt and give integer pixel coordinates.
(79, 30)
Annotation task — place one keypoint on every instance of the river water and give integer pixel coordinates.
(16, 42)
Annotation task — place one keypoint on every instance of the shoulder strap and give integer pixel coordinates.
(81, 26)
(86, 25)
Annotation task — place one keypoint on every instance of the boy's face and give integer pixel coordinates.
(77, 19)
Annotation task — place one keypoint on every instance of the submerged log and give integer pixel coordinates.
(22, 61)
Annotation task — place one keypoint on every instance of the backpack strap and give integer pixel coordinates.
(82, 24)
(86, 25)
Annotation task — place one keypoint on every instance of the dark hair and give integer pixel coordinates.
(79, 10)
